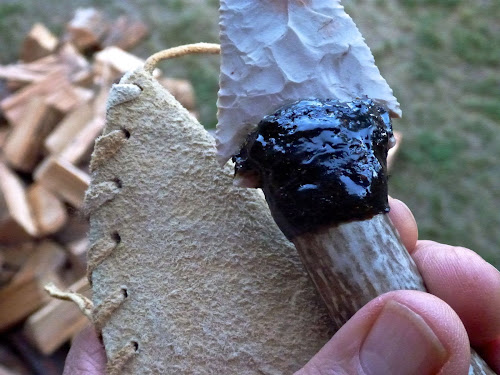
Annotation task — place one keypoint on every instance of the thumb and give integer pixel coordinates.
(86, 356)
(403, 333)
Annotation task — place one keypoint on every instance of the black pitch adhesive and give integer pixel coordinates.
(320, 162)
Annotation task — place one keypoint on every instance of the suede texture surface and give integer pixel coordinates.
(212, 285)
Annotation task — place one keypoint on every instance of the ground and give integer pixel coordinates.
(440, 57)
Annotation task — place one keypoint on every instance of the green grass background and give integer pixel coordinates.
(442, 59)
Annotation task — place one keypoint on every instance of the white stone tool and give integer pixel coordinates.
(277, 52)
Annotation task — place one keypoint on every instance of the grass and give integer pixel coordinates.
(441, 58)
(486, 106)
(413, 4)
(10, 23)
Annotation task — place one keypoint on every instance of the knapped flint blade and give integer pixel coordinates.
(276, 52)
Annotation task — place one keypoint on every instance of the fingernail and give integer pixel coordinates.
(400, 342)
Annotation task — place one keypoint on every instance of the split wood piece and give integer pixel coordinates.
(76, 228)
(14, 257)
(57, 90)
(125, 33)
(72, 60)
(47, 257)
(81, 145)
(182, 90)
(24, 143)
(63, 179)
(87, 28)
(77, 254)
(25, 293)
(20, 74)
(119, 60)
(39, 42)
(67, 97)
(45, 64)
(58, 321)
(14, 106)
(68, 128)
(83, 78)
(69, 275)
(47, 210)
(79, 247)
(16, 221)
(100, 100)
(67, 59)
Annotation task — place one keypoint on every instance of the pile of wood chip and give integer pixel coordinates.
(52, 107)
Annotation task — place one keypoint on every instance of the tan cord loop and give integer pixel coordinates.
(153, 60)
(115, 364)
(99, 251)
(103, 311)
(99, 194)
(106, 147)
(99, 315)
(96, 314)
(84, 304)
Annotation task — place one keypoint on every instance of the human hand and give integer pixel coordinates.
(401, 332)
(86, 356)
(411, 332)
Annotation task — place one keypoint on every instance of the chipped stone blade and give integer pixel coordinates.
(276, 52)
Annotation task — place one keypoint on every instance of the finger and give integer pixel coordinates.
(86, 356)
(405, 223)
(469, 284)
(491, 354)
(401, 332)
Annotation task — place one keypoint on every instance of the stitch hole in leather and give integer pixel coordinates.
(136, 345)
(118, 182)
(126, 133)
(115, 236)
